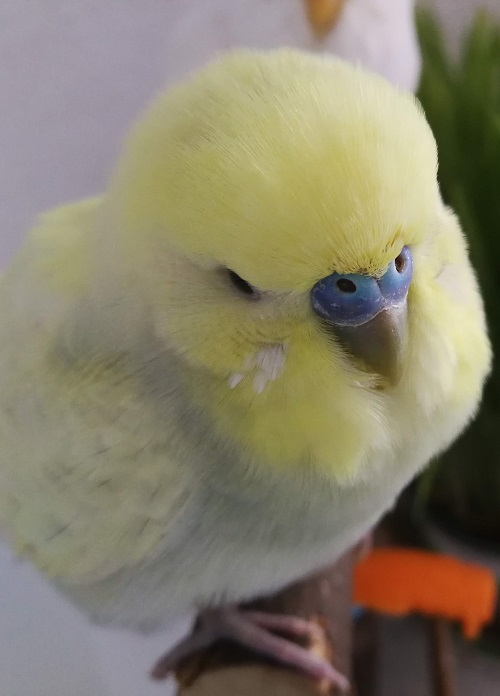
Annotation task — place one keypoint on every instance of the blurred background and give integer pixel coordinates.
(73, 76)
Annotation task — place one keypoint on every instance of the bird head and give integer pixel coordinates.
(281, 211)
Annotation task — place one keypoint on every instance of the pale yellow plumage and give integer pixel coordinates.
(167, 441)
(73, 509)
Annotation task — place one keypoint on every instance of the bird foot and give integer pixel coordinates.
(253, 630)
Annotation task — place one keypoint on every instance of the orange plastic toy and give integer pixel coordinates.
(399, 581)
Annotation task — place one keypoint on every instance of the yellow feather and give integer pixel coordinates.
(287, 153)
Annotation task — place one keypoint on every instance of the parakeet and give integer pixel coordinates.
(219, 374)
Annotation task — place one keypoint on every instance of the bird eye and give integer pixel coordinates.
(241, 285)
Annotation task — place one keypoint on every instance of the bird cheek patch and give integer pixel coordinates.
(264, 366)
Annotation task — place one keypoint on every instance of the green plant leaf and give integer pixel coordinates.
(461, 99)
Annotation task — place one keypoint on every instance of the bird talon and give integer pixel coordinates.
(253, 630)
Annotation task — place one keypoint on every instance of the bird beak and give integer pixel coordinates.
(323, 14)
(380, 343)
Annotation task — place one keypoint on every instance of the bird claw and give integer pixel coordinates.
(253, 630)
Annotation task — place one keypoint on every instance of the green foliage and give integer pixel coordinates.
(461, 99)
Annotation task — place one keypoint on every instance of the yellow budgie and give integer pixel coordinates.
(217, 376)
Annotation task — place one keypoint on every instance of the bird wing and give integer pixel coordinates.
(86, 482)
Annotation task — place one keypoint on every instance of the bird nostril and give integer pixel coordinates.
(346, 285)
(400, 263)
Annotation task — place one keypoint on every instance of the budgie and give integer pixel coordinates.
(217, 375)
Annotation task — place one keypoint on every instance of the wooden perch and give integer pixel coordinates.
(228, 670)
(442, 658)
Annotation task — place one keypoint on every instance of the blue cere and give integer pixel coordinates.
(354, 299)
(396, 280)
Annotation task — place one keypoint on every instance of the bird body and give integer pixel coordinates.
(178, 427)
